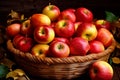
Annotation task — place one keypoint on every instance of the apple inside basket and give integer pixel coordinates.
(61, 68)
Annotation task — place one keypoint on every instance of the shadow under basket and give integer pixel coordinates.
(57, 68)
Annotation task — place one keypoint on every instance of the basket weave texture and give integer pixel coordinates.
(57, 68)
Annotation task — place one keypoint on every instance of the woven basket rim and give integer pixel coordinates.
(52, 60)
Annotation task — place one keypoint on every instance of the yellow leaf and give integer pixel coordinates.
(116, 60)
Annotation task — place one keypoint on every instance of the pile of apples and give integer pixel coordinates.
(55, 33)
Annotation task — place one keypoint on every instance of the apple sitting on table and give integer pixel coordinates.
(87, 31)
(59, 49)
(67, 14)
(39, 19)
(26, 28)
(51, 11)
(101, 70)
(25, 44)
(44, 34)
(83, 15)
(105, 36)
(40, 50)
(79, 47)
(64, 28)
(101, 23)
(96, 46)
(12, 30)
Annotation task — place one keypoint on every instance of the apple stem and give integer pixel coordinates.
(49, 3)
(60, 46)
(88, 35)
(22, 17)
(86, 11)
(40, 51)
(103, 22)
(64, 24)
(95, 70)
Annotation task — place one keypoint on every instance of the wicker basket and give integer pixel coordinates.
(116, 30)
(57, 68)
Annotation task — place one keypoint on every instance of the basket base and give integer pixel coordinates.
(55, 71)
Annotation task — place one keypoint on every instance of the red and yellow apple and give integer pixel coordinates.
(39, 19)
(101, 23)
(64, 28)
(44, 34)
(83, 15)
(87, 31)
(59, 49)
(12, 30)
(40, 50)
(79, 47)
(105, 36)
(101, 70)
(26, 28)
(52, 11)
(96, 47)
(67, 14)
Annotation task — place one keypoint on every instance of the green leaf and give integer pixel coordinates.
(111, 17)
(3, 70)
(110, 61)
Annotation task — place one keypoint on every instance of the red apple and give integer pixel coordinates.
(65, 40)
(40, 50)
(13, 29)
(87, 31)
(83, 15)
(52, 11)
(67, 14)
(101, 23)
(64, 28)
(26, 28)
(101, 70)
(96, 46)
(25, 44)
(39, 19)
(16, 39)
(59, 49)
(105, 36)
(79, 47)
(44, 34)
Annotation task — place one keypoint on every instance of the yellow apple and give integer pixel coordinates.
(52, 11)
(40, 50)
